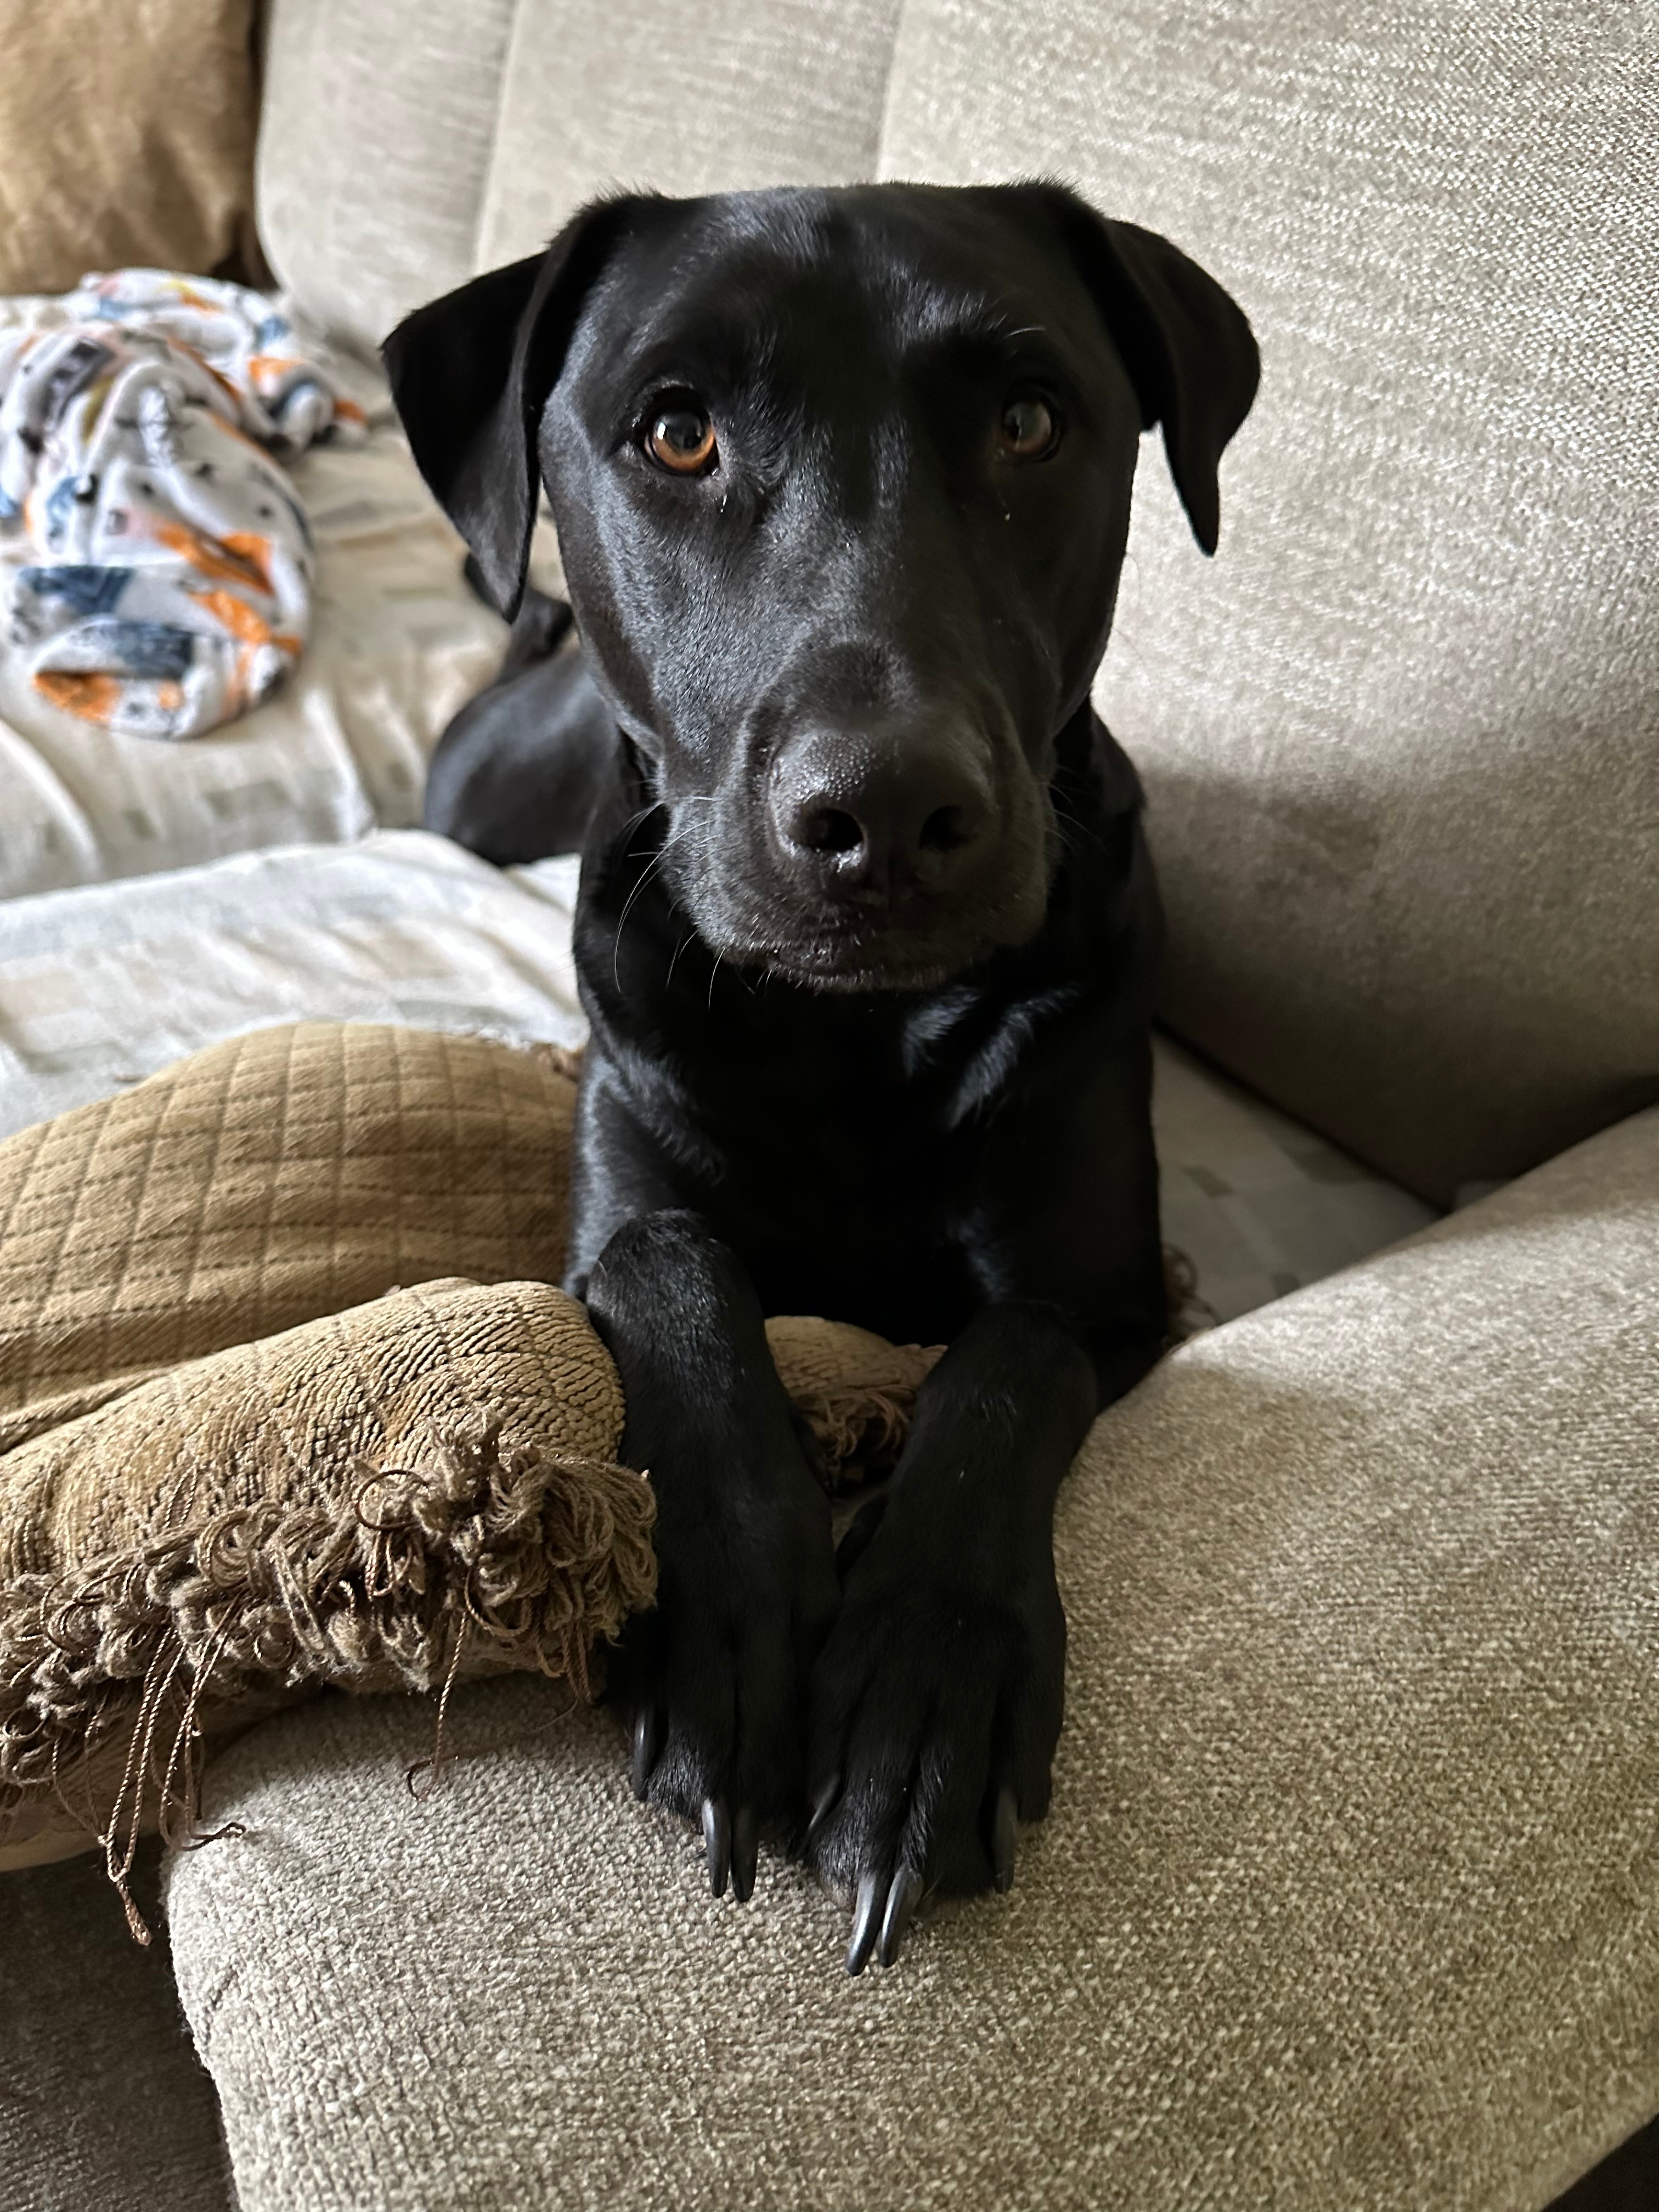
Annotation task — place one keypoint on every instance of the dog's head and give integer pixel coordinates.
(842, 481)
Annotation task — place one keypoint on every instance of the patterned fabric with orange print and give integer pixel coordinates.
(156, 562)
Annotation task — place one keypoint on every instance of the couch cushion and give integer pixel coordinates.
(103, 2104)
(1347, 1896)
(398, 642)
(376, 129)
(128, 136)
(716, 98)
(404, 147)
(1402, 738)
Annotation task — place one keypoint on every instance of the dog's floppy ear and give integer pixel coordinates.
(1185, 342)
(469, 375)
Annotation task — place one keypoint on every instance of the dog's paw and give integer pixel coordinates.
(936, 1709)
(715, 1678)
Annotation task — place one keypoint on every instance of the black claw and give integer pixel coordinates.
(1002, 1841)
(717, 1842)
(901, 1904)
(866, 1921)
(648, 1745)
(745, 1845)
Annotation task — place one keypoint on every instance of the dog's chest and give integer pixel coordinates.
(838, 1167)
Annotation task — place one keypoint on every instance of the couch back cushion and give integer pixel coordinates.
(1402, 737)
(406, 144)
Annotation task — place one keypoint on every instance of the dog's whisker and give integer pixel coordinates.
(645, 875)
(642, 814)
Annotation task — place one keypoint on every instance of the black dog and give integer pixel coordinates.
(867, 932)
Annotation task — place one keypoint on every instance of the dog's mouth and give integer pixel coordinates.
(831, 963)
(874, 953)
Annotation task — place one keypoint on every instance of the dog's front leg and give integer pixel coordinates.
(937, 1702)
(716, 1673)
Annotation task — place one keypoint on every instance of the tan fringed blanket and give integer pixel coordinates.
(288, 1401)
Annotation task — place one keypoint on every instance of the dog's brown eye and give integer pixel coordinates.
(681, 438)
(1028, 430)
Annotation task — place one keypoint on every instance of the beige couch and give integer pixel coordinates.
(1348, 1898)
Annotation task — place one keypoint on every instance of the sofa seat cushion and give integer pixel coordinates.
(1347, 1894)
(398, 643)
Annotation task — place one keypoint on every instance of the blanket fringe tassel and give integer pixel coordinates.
(484, 1557)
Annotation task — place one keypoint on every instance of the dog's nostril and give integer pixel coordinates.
(830, 830)
(945, 828)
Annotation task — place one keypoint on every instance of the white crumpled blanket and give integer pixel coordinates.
(156, 563)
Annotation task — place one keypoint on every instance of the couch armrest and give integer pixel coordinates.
(1348, 1895)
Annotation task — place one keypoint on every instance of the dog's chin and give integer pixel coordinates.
(847, 961)
(825, 968)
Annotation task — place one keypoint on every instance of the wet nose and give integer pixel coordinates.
(878, 816)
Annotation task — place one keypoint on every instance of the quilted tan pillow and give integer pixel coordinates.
(126, 136)
(238, 1464)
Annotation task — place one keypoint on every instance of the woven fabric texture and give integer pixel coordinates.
(415, 1489)
(193, 1395)
(1401, 739)
(104, 2104)
(405, 147)
(1347, 1898)
(278, 1421)
(265, 1181)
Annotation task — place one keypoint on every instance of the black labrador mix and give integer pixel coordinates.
(867, 932)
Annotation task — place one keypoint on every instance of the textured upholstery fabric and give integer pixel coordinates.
(405, 146)
(1402, 739)
(730, 93)
(423, 1482)
(376, 132)
(126, 136)
(1347, 1896)
(104, 2105)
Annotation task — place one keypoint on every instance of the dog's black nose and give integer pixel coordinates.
(874, 818)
